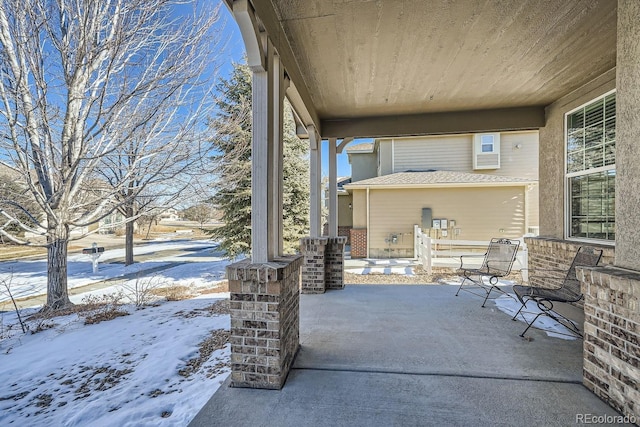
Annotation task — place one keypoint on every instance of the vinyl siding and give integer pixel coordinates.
(519, 162)
(345, 218)
(359, 208)
(385, 157)
(440, 153)
(480, 213)
(454, 153)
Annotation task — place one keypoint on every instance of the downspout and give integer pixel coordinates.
(368, 222)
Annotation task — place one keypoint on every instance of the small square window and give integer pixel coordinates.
(486, 142)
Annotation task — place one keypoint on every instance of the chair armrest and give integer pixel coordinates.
(468, 256)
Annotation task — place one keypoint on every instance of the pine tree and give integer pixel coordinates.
(232, 164)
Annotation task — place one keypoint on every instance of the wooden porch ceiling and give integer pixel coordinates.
(401, 67)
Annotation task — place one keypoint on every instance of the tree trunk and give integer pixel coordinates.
(57, 292)
(128, 238)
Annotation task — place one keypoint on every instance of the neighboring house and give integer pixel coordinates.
(464, 187)
(169, 214)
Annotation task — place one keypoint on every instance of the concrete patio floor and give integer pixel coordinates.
(395, 355)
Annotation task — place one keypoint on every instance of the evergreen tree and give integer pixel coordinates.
(232, 164)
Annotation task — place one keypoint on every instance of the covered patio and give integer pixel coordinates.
(387, 68)
(414, 355)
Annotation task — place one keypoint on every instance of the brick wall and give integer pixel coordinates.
(334, 263)
(343, 231)
(265, 319)
(556, 254)
(313, 268)
(611, 336)
(358, 243)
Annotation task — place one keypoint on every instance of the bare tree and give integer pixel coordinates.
(200, 213)
(79, 80)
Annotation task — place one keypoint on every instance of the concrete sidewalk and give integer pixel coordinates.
(414, 356)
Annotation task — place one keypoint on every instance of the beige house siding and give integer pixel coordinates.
(480, 214)
(552, 153)
(385, 157)
(533, 206)
(440, 153)
(518, 152)
(359, 208)
(345, 219)
(518, 155)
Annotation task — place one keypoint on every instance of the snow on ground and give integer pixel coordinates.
(509, 304)
(383, 266)
(26, 276)
(121, 372)
(156, 366)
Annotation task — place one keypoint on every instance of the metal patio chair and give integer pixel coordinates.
(568, 292)
(497, 263)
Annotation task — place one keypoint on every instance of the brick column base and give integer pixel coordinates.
(611, 367)
(265, 321)
(334, 263)
(313, 273)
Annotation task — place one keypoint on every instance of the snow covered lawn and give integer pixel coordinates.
(156, 366)
(27, 278)
(119, 364)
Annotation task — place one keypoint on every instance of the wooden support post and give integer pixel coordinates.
(315, 176)
(276, 92)
(333, 188)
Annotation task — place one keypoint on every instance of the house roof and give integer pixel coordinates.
(366, 147)
(421, 179)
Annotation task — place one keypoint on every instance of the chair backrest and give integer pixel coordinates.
(586, 256)
(500, 256)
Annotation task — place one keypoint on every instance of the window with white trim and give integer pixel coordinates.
(486, 151)
(591, 169)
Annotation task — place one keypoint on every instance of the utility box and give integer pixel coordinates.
(426, 218)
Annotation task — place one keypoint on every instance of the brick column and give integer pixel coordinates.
(358, 242)
(612, 336)
(334, 263)
(265, 321)
(313, 275)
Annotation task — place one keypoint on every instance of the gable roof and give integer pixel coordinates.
(422, 179)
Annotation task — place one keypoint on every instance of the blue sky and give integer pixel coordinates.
(235, 53)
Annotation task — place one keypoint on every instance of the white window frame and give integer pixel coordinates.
(477, 150)
(567, 175)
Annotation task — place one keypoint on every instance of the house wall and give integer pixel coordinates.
(552, 155)
(359, 214)
(345, 219)
(363, 166)
(518, 154)
(385, 157)
(480, 214)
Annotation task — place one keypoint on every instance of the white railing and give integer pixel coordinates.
(445, 252)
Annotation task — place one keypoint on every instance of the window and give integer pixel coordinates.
(486, 151)
(486, 142)
(591, 170)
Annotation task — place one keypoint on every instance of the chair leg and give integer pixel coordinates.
(460, 287)
(530, 324)
(487, 297)
(516, 315)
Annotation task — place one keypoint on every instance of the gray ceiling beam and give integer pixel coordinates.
(496, 120)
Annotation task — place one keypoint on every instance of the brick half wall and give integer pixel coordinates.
(557, 255)
(611, 367)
